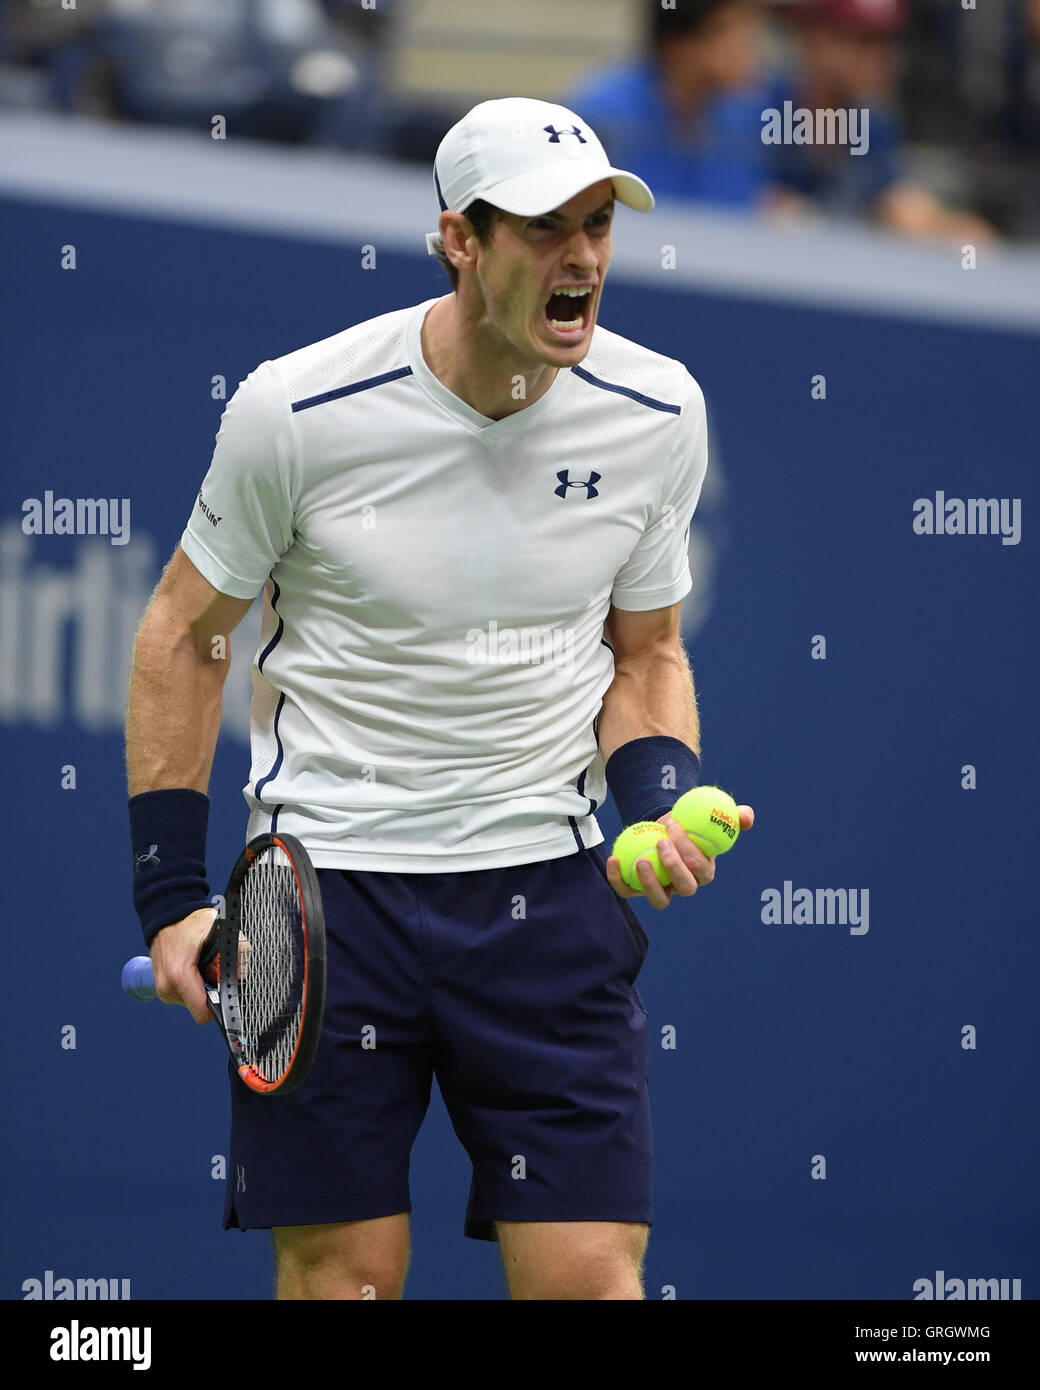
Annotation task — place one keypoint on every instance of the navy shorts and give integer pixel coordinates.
(515, 987)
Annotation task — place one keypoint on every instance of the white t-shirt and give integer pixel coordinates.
(432, 656)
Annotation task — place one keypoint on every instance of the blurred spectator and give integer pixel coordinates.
(687, 116)
(31, 34)
(288, 70)
(972, 84)
(687, 113)
(847, 59)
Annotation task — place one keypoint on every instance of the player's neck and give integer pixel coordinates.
(474, 363)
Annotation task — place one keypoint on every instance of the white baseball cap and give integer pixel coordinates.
(526, 157)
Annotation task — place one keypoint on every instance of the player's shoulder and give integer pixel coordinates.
(356, 354)
(632, 371)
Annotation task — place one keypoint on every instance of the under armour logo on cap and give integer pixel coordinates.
(555, 134)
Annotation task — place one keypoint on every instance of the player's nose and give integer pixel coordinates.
(582, 253)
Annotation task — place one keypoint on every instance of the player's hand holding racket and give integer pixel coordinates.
(175, 963)
(259, 969)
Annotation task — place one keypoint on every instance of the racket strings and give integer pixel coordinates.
(270, 964)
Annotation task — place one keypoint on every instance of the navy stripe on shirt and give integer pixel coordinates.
(626, 391)
(352, 389)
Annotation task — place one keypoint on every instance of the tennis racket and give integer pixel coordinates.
(263, 965)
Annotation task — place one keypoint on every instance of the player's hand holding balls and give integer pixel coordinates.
(637, 842)
(677, 852)
(710, 817)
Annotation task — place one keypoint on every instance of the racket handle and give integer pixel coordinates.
(139, 978)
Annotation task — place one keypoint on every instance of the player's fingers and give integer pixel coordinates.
(747, 817)
(193, 995)
(615, 880)
(688, 866)
(657, 895)
(175, 960)
(184, 987)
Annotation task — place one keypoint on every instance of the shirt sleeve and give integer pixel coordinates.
(657, 573)
(242, 521)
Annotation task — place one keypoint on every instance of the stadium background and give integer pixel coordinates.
(196, 260)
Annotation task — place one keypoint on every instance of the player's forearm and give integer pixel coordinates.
(653, 695)
(173, 712)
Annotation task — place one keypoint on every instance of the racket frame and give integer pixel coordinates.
(221, 947)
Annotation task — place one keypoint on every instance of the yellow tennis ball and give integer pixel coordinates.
(710, 818)
(639, 842)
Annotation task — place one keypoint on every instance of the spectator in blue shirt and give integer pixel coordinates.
(688, 116)
(846, 62)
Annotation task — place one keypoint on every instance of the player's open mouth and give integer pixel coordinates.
(567, 311)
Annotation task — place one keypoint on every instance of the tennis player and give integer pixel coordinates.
(469, 519)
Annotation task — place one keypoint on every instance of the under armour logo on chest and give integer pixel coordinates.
(554, 134)
(565, 483)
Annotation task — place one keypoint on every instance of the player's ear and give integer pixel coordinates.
(459, 240)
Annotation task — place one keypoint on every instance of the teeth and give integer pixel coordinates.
(572, 292)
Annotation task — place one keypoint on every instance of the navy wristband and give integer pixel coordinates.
(639, 770)
(168, 839)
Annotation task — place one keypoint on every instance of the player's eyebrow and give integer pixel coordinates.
(608, 206)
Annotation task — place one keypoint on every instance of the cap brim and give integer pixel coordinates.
(544, 190)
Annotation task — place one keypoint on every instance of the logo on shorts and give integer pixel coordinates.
(240, 1178)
